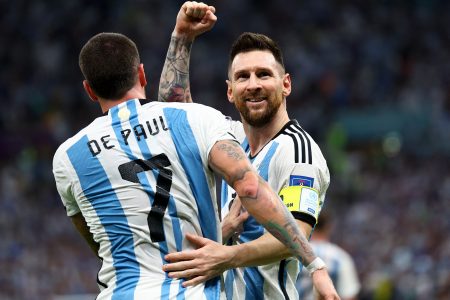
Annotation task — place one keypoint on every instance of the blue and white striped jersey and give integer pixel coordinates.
(140, 177)
(290, 158)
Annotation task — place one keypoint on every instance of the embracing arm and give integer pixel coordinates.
(228, 159)
(83, 229)
(264, 250)
(192, 19)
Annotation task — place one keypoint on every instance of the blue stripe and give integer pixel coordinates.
(253, 230)
(191, 161)
(172, 210)
(254, 284)
(229, 281)
(224, 194)
(98, 190)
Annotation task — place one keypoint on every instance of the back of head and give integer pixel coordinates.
(324, 222)
(109, 62)
(249, 41)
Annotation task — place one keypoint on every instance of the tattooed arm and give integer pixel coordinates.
(192, 20)
(228, 159)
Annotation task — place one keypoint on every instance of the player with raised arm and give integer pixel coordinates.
(260, 267)
(140, 177)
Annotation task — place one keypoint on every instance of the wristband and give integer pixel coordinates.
(316, 264)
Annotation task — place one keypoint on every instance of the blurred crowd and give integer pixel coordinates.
(371, 83)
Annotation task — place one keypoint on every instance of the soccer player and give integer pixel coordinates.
(282, 152)
(339, 263)
(140, 177)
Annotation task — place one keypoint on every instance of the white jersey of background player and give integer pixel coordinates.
(290, 159)
(147, 166)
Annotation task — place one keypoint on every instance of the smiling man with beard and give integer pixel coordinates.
(256, 265)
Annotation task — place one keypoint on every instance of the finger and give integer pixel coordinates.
(179, 266)
(196, 240)
(209, 18)
(187, 274)
(194, 281)
(243, 216)
(212, 9)
(180, 256)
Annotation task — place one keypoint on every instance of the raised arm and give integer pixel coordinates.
(192, 20)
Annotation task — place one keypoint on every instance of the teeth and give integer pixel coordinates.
(256, 100)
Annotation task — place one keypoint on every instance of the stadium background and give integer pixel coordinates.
(371, 82)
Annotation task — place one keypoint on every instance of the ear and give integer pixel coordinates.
(141, 72)
(229, 91)
(286, 85)
(89, 91)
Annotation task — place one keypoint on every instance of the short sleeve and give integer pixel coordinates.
(63, 183)
(214, 126)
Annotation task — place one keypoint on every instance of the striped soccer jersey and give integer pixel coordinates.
(290, 158)
(341, 268)
(140, 177)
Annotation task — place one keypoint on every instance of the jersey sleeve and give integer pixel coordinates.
(214, 126)
(63, 183)
(302, 188)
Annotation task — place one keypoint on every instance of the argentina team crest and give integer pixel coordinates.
(301, 180)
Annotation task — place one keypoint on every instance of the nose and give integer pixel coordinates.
(253, 82)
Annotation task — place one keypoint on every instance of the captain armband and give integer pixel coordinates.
(303, 202)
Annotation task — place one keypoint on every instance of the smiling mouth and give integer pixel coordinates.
(256, 100)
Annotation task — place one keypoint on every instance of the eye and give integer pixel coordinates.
(241, 76)
(264, 74)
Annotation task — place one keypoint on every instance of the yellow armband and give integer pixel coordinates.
(301, 199)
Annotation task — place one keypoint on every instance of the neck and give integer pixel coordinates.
(258, 137)
(137, 92)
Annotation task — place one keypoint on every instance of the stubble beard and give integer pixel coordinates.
(258, 118)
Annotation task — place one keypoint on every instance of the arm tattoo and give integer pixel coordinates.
(300, 245)
(174, 81)
(232, 149)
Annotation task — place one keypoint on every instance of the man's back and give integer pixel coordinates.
(140, 177)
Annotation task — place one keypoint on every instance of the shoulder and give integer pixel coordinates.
(61, 152)
(297, 146)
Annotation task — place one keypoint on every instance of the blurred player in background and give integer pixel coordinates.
(139, 177)
(339, 263)
(282, 152)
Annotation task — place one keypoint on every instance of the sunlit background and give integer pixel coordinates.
(371, 83)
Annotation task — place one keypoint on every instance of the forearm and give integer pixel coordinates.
(269, 211)
(229, 160)
(174, 81)
(265, 250)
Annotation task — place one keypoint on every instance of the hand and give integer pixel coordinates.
(233, 223)
(210, 260)
(324, 286)
(193, 19)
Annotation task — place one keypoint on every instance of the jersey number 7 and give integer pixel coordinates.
(129, 172)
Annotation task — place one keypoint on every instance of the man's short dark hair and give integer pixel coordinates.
(249, 41)
(109, 62)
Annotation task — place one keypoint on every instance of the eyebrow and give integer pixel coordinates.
(259, 69)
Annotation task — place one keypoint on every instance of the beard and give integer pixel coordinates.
(261, 117)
